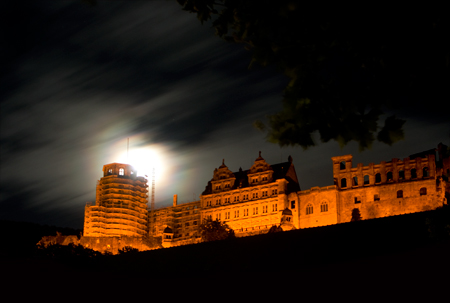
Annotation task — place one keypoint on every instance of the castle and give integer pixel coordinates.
(255, 200)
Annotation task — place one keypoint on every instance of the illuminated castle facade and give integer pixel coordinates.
(121, 204)
(269, 196)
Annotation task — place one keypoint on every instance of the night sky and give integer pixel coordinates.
(78, 81)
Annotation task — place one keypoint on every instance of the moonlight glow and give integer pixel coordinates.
(144, 160)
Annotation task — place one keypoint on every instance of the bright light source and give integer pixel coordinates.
(144, 159)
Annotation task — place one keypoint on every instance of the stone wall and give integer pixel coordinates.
(318, 206)
(383, 201)
(113, 244)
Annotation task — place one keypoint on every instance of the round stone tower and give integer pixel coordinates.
(121, 204)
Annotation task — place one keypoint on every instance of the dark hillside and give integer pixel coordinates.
(19, 238)
(373, 256)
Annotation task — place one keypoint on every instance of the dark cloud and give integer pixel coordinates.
(76, 80)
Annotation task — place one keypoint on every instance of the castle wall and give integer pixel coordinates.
(113, 244)
(252, 201)
(381, 200)
(183, 219)
(318, 206)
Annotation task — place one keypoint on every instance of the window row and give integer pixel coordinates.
(376, 197)
(244, 198)
(255, 180)
(245, 212)
(389, 177)
(310, 208)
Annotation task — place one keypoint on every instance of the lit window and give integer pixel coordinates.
(121, 172)
(309, 209)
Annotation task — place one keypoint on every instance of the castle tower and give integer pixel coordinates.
(121, 204)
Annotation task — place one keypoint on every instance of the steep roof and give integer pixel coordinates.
(284, 170)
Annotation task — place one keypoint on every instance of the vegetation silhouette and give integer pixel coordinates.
(438, 223)
(356, 215)
(19, 238)
(346, 70)
(214, 230)
(396, 250)
(128, 250)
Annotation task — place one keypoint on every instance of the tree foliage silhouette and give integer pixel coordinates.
(346, 70)
(213, 230)
(356, 215)
(128, 250)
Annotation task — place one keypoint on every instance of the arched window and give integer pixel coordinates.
(323, 206)
(390, 176)
(110, 171)
(400, 194)
(413, 173)
(343, 182)
(426, 172)
(423, 191)
(378, 178)
(342, 165)
(121, 172)
(366, 179)
(401, 175)
(355, 181)
(309, 209)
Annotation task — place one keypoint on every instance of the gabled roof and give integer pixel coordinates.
(281, 170)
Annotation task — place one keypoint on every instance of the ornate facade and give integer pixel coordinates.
(266, 197)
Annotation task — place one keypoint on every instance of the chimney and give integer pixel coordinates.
(175, 200)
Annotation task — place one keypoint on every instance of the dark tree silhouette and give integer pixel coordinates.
(213, 230)
(346, 70)
(356, 215)
(127, 250)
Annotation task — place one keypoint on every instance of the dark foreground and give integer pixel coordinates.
(405, 256)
